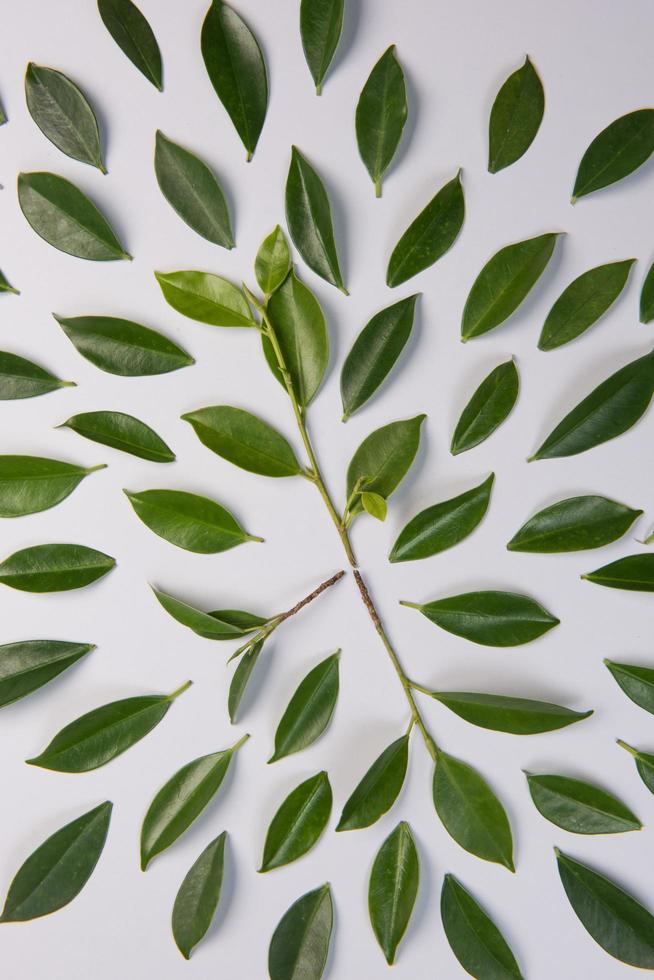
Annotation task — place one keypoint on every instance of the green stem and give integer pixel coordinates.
(240, 742)
(629, 748)
(423, 690)
(180, 690)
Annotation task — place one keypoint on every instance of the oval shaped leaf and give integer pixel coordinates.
(204, 297)
(393, 889)
(65, 217)
(443, 525)
(273, 261)
(298, 823)
(580, 807)
(123, 347)
(499, 713)
(634, 573)
(300, 943)
(133, 35)
(490, 405)
(310, 710)
(636, 682)
(583, 302)
(54, 567)
(244, 440)
(223, 624)
(20, 378)
(646, 308)
(616, 152)
(504, 283)
(644, 764)
(515, 117)
(380, 116)
(55, 873)
(241, 678)
(321, 23)
(29, 664)
(430, 234)
(375, 505)
(29, 484)
(63, 114)
(189, 521)
(376, 793)
(475, 940)
(198, 896)
(122, 432)
(383, 459)
(574, 524)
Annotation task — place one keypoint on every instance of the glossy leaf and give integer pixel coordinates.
(5, 285)
(198, 896)
(29, 664)
(583, 302)
(223, 624)
(298, 823)
(244, 440)
(613, 917)
(574, 524)
(65, 217)
(504, 283)
(490, 405)
(20, 378)
(383, 459)
(515, 117)
(204, 297)
(310, 710)
(634, 573)
(475, 940)
(122, 432)
(375, 352)
(100, 735)
(644, 764)
(193, 191)
(376, 793)
(133, 35)
(63, 114)
(237, 71)
(646, 309)
(616, 152)
(54, 567)
(300, 943)
(309, 219)
(123, 347)
(470, 811)
(430, 235)
(499, 713)
(29, 484)
(496, 619)
(580, 807)
(380, 116)
(375, 505)
(321, 23)
(241, 678)
(637, 682)
(273, 261)
(55, 873)
(443, 525)
(393, 889)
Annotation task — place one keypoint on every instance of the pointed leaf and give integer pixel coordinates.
(223, 624)
(496, 619)
(616, 152)
(583, 302)
(29, 484)
(634, 573)
(244, 440)
(63, 114)
(241, 678)
(644, 764)
(204, 297)
(515, 117)
(122, 432)
(133, 35)
(5, 285)
(499, 713)
(384, 458)
(377, 791)
(375, 505)
(646, 310)
(321, 23)
(393, 889)
(580, 807)
(490, 405)
(298, 823)
(310, 710)
(54, 567)
(300, 944)
(477, 943)
(20, 378)
(380, 116)
(29, 664)
(198, 896)
(574, 524)
(123, 347)
(273, 261)
(637, 682)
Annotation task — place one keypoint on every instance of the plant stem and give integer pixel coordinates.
(180, 690)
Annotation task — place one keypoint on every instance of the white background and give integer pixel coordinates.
(594, 57)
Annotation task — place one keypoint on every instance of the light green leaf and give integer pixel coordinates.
(189, 521)
(244, 440)
(122, 432)
(29, 484)
(207, 298)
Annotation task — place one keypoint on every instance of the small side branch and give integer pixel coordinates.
(312, 595)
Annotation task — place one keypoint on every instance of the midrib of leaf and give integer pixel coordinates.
(116, 342)
(316, 230)
(187, 801)
(75, 471)
(382, 131)
(236, 81)
(52, 570)
(431, 222)
(592, 524)
(487, 406)
(133, 39)
(207, 299)
(589, 806)
(194, 520)
(73, 220)
(454, 517)
(525, 268)
(309, 923)
(91, 150)
(128, 444)
(380, 776)
(517, 106)
(190, 186)
(300, 815)
(480, 822)
(473, 929)
(401, 856)
(605, 294)
(63, 656)
(232, 441)
(125, 720)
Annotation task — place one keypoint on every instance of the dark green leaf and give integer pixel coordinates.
(518, 716)
(580, 807)
(380, 116)
(20, 378)
(237, 71)
(122, 432)
(443, 525)
(300, 944)
(244, 440)
(619, 149)
(309, 219)
(29, 484)
(29, 664)
(133, 35)
(54, 567)
(5, 285)
(192, 189)
(241, 678)
(374, 353)
(470, 811)
(647, 297)
(298, 823)
(490, 405)
(503, 284)
(310, 710)
(55, 873)
(477, 943)
(223, 624)
(644, 764)
(574, 524)
(63, 114)
(430, 234)
(321, 23)
(636, 682)
(583, 302)
(393, 889)
(383, 459)
(495, 619)
(3, 115)
(273, 261)
(376, 793)
(634, 573)
(204, 297)
(122, 346)
(515, 117)
(198, 896)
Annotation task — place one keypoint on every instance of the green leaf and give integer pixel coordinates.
(443, 525)
(477, 943)
(189, 521)
(298, 823)
(470, 811)
(646, 310)
(377, 791)
(374, 353)
(608, 411)
(193, 191)
(580, 807)
(430, 235)
(583, 302)
(133, 35)
(644, 764)
(181, 800)
(20, 378)
(29, 484)
(63, 114)
(574, 524)
(300, 943)
(273, 261)
(613, 917)
(517, 716)
(54, 567)
(321, 23)
(634, 573)
(5, 285)
(198, 896)
(29, 664)
(490, 405)
(55, 873)
(515, 117)
(237, 71)
(636, 682)
(223, 624)
(380, 116)
(65, 217)
(299, 325)
(375, 505)
(504, 283)
(495, 619)
(123, 347)
(310, 710)
(241, 678)
(384, 458)
(244, 440)
(393, 889)
(122, 432)
(207, 298)
(616, 152)
(98, 736)
(309, 219)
